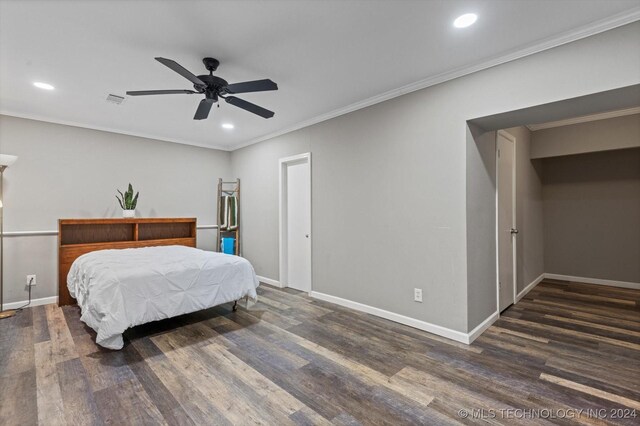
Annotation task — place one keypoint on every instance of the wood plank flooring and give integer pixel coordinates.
(294, 360)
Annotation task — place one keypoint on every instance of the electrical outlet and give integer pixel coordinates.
(31, 280)
(417, 294)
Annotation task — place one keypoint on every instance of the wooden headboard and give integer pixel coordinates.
(80, 236)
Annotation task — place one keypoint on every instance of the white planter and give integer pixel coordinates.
(128, 213)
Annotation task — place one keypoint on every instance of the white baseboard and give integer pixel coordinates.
(596, 281)
(34, 302)
(529, 287)
(269, 281)
(411, 322)
(476, 332)
(585, 280)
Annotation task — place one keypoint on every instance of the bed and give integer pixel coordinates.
(128, 272)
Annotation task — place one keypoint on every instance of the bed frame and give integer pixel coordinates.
(80, 236)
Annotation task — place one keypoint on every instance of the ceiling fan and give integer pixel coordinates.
(212, 88)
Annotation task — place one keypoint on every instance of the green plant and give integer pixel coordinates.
(127, 201)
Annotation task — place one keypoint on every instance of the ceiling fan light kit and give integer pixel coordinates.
(213, 88)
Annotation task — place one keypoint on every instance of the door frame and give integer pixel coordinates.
(514, 237)
(283, 224)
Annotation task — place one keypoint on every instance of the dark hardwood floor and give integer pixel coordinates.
(294, 360)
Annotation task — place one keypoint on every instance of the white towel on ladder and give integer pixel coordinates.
(224, 216)
(232, 213)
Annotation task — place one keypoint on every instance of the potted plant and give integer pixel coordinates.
(128, 202)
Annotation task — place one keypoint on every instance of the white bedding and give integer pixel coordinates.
(118, 289)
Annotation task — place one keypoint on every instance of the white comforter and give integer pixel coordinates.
(118, 289)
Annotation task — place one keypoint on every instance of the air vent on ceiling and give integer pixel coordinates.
(115, 99)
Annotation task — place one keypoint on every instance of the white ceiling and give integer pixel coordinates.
(326, 56)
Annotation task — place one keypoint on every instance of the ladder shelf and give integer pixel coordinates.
(228, 189)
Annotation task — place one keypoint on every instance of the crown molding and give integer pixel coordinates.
(594, 28)
(584, 119)
(110, 130)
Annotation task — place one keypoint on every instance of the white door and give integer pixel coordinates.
(298, 226)
(506, 219)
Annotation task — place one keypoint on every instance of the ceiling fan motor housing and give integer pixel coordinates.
(213, 88)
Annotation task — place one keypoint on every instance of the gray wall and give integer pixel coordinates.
(529, 212)
(599, 135)
(65, 171)
(389, 182)
(257, 166)
(481, 225)
(391, 195)
(592, 215)
(481, 219)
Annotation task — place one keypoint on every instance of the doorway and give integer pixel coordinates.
(506, 218)
(295, 222)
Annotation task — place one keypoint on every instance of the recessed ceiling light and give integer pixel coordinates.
(44, 86)
(465, 20)
(227, 126)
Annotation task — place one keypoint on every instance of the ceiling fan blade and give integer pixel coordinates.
(248, 106)
(203, 109)
(159, 92)
(181, 70)
(251, 86)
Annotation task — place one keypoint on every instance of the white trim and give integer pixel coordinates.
(514, 194)
(34, 302)
(55, 232)
(411, 322)
(514, 212)
(584, 119)
(282, 217)
(111, 130)
(29, 233)
(269, 281)
(476, 332)
(201, 227)
(596, 281)
(497, 234)
(577, 280)
(530, 287)
(567, 37)
(297, 157)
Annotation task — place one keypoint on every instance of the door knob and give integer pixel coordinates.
(514, 231)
